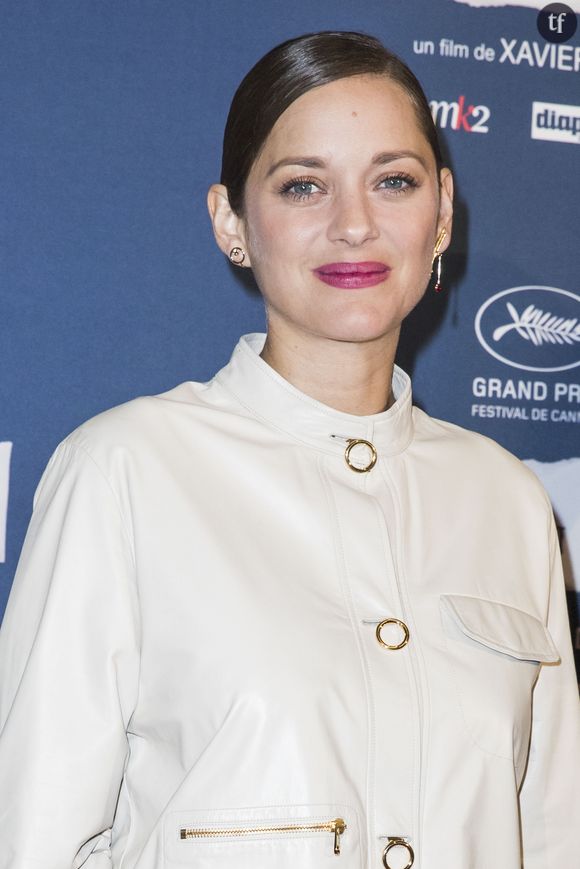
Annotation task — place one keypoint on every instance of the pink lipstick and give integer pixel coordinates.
(352, 276)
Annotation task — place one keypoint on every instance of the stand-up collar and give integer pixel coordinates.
(270, 397)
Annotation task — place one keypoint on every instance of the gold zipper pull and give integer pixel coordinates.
(338, 827)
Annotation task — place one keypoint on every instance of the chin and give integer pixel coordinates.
(359, 332)
(361, 327)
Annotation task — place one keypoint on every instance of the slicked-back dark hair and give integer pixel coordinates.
(290, 70)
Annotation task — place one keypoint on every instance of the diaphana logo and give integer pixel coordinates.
(556, 122)
(534, 327)
(5, 451)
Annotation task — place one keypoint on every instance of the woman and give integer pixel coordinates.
(283, 619)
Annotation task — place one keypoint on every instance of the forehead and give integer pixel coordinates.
(366, 112)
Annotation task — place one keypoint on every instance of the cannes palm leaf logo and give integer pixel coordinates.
(539, 327)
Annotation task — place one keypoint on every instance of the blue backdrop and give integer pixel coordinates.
(112, 285)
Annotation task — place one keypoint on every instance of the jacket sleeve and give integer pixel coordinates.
(550, 795)
(69, 666)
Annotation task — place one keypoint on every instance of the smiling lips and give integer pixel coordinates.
(351, 276)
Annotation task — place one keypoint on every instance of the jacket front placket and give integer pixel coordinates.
(367, 523)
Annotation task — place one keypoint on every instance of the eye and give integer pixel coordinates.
(298, 188)
(399, 183)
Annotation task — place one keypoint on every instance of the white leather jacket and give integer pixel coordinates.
(227, 648)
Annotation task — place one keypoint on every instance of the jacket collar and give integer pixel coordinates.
(267, 395)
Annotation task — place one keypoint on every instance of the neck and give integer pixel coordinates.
(353, 377)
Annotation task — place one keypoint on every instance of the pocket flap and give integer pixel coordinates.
(501, 627)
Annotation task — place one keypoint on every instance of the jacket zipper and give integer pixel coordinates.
(336, 826)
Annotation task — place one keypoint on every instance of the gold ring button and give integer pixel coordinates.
(404, 629)
(353, 442)
(398, 843)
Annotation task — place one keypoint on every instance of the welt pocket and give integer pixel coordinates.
(494, 653)
(501, 627)
(305, 835)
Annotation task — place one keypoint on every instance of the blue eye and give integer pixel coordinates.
(298, 188)
(408, 180)
(301, 187)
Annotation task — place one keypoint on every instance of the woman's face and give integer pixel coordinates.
(332, 185)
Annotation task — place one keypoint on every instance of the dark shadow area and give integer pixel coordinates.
(245, 278)
(422, 323)
(573, 599)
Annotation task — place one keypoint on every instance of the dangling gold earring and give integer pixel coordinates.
(438, 244)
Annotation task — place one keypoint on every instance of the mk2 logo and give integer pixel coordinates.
(460, 115)
(5, 450)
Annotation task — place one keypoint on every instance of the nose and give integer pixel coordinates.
(352, 219)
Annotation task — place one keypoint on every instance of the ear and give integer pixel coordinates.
(228, 228)
(445, 218)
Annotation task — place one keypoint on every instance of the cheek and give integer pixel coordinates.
(418, 243)
(266, 240)
(275, 237)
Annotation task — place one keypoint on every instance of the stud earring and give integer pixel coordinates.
(436, 253)
(237, 256)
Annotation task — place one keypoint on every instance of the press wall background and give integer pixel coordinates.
(112, 285)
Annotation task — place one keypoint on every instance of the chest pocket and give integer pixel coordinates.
(495, 651)
(290, 836)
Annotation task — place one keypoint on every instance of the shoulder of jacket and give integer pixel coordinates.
(134, 420)
(481, 456)
(113, 435)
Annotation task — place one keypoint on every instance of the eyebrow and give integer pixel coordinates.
(317, 162)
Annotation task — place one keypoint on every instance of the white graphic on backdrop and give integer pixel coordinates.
(528, 4)
(5, 451)
(544, 332)
(459, 114)
(562, 483)
(506, 50)
(538, 327)
(541, 55)
(556, 122)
